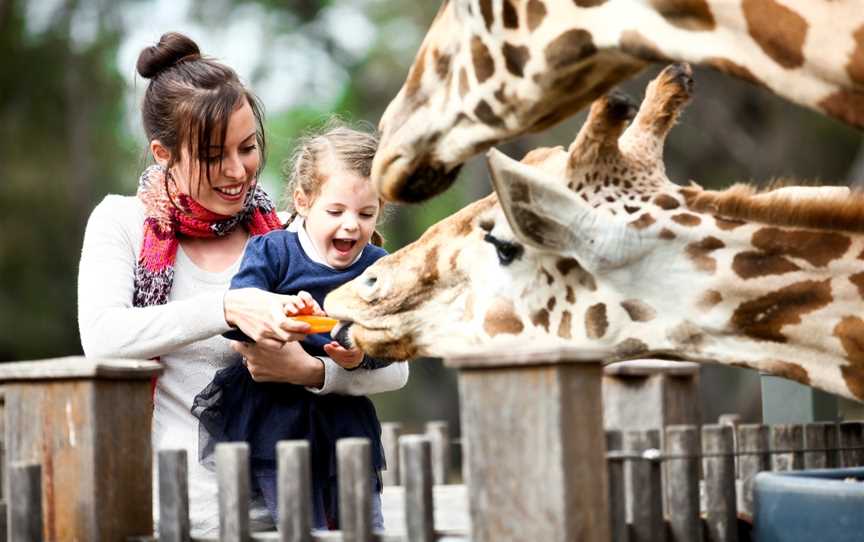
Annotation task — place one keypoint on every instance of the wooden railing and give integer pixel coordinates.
(539, 463)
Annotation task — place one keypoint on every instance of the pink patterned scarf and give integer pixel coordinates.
(169, 213)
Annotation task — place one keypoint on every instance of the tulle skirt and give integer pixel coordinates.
(235, 408)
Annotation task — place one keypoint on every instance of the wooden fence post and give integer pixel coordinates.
(87, 423)
(617, 489)
(682, 483)
(439, 437)
(645, 507)
(753, 444)
(25, 509)
(173, 496)
(419, 506)
(815, 439)
(650, 394)
(787, 440)
(390, 433)
(233, 479)
(532, 424)
(721, 519)
(355, 489)
(851, 438)
(295, 491)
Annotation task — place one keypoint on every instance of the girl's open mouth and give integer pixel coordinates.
(344, 245)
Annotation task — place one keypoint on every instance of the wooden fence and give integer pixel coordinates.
(538, 463)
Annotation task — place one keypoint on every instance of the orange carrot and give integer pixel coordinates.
(320, 324)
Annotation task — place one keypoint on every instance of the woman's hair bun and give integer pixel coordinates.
(172, 47)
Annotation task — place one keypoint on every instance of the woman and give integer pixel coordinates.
(155, 268)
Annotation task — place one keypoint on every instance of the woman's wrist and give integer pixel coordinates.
(315, 373)
(228, 307)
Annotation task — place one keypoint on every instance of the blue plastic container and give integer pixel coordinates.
(809, 506)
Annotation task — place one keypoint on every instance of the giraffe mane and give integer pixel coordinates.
(834, 211)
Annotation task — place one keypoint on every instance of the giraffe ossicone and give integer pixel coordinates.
(595, 248)
(490, 70)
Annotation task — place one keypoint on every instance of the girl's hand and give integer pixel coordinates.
(263, 316)
(288, 363)
(347, 359)
(302, 304)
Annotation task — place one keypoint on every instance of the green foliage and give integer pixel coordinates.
(62, 150)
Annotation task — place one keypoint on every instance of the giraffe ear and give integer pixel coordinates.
(546, 215)
(525, 195)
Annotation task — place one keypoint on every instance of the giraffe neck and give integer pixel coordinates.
(571, 52)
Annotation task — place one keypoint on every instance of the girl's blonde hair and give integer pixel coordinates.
(334, 145)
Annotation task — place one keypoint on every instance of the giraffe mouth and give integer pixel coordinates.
(408, 182)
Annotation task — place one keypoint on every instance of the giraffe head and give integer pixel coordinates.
(594, 247)
(516, 264)
(490, 70)
(485, 73)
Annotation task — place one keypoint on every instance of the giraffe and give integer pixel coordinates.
(490, 70)
(594, 247)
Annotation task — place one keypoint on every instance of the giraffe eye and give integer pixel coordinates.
(507, 251)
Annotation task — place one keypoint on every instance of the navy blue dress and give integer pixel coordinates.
(236, 408)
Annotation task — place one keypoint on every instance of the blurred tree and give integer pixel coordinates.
(62, 150)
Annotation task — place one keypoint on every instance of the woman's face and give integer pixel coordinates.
(232, 166)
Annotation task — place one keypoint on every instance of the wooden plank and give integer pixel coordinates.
(617, 493)
(79, 367)
(390, 433)
(786, 442)
(355, 489)
(295, 491)
(439, 437)
(92, 438)
(416, 456)
(851, 438)
(815, 445)
(733, 420)
(645, 508)
(753, 445)
(832, 442)
(497, 357)
(4, 531)
(649, 367)
(720, 518)
(232, 476)
(532, 434)
(174, 522)
(682, 483)
(25, 509)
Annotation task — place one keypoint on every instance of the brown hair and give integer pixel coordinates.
(190, 98)
(335, 144)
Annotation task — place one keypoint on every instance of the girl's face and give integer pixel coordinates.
(232, 166)
(341, 219)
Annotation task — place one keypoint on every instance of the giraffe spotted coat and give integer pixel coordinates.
(593, 247)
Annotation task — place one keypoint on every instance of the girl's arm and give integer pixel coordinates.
(362, 381)
(109, 325)
(322, 375)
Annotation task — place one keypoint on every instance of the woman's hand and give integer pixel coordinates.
(287, 363)
(347, 359)
(264, 316)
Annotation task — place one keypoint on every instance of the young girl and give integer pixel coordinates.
(327, 244)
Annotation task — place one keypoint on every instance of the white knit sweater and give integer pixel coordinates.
(185, 334)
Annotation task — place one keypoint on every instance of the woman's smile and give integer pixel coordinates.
(232, 192)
